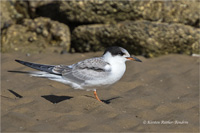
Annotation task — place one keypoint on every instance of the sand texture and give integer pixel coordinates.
(159, 94)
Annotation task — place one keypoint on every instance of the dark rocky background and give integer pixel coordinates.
(148, 28)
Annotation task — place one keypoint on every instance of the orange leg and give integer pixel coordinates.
(95, 94)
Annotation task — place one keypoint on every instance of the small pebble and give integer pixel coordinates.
(28, 54)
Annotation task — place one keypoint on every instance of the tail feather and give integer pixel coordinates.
(45, 68)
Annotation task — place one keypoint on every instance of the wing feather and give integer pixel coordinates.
(90, 69)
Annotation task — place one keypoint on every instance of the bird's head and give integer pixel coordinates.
(118, 54)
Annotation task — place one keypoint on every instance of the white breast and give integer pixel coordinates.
(117, 71)
(117, 68)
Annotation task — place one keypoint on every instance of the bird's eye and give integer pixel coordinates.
(121, 53)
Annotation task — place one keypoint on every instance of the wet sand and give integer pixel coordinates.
(159, 94)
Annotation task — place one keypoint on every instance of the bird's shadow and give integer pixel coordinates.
(51, 98)
(108, 101)
(22, 72)
(56, 99)
(15, 93)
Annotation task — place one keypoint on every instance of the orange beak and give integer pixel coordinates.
(133, 58)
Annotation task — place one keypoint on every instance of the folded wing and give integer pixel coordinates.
(90, 69)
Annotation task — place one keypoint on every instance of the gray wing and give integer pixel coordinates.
(90, 69)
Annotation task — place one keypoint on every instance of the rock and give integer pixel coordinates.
(9, 14)
(103, 11)
(45, 8)
(56, 33)
(29, 8)
(139, 37)
(150, 28)
(36, 35)
(18, 38)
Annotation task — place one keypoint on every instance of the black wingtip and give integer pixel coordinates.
(23, 62)
(45, 68)
(17, 60)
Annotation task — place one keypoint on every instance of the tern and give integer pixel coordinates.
(89, 74)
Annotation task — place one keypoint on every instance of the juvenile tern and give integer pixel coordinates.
(89, 74)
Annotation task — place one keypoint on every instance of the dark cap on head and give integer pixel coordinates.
(114, 50)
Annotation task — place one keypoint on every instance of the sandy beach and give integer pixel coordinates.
(160, 94)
